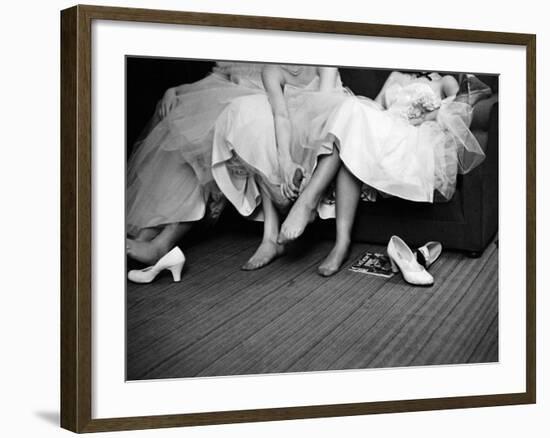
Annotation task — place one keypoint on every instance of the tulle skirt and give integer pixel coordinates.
(170, 175)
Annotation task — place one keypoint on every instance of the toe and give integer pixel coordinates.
(248, 266)
(252, 264)
(325, 272)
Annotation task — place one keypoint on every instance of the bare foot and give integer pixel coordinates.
(145, 252)
(300, 215)
(333, 262)
(265, 254)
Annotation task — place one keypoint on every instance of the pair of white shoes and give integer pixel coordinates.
(172, 261)
(413, 265)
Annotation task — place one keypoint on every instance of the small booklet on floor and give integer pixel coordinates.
(373, 263)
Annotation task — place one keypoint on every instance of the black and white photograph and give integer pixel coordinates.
(285, 218)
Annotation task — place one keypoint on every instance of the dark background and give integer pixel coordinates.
(146, 81)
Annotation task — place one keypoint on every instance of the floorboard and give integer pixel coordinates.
(220, 320)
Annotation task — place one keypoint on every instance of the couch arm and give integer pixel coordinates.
(482, 113)
(479, 189)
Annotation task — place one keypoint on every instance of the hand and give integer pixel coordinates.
(416, 121)
(291, 183)
(167, 103)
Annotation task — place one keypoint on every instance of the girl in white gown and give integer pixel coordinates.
(410, 142)
(312, 161)
(222, 137)
(170, 184)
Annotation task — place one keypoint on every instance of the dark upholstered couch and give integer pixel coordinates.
(469, 220)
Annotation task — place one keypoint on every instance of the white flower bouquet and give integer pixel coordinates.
(423, 104)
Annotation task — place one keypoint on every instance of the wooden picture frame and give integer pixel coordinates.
(76, 218)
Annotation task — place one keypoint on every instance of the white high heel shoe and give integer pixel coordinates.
(402, 259)
(172, 260)
(428, 253)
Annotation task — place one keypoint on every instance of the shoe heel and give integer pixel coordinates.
(394, 267)
(176, 271)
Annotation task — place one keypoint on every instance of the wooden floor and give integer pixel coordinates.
(285, 318)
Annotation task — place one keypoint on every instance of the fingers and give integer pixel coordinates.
(292, 190)
(165, 107)
(294, 186)
(169, 106)
(287, 192)
(417, 121)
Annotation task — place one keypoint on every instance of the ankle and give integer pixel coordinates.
(161, 247)
(342, 242)
(270, 240)
(308, 200)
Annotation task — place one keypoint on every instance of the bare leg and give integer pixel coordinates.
(348, 190)
(242, 174)
(269, 249)
(147, 234)
(303, 210)
(150, 252)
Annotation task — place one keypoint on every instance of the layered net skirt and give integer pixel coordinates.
(169, 175)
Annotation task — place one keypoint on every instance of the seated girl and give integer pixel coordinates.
(170, 181)
(410, 142)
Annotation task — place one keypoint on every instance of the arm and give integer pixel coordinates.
(449, 88)
(178, 89)
(391, 79)
(327, 76)
(274, 80)
(169, 100)
(167, 103)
